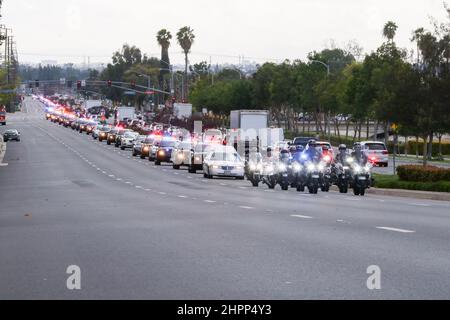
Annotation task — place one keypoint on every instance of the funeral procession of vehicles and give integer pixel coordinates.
(250, 149)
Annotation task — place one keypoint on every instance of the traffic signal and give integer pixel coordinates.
(78, 84)
(109, 83)
(36, 83)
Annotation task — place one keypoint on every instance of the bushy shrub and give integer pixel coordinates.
(420, 173)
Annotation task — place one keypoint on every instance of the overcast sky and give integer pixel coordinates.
(68, 30)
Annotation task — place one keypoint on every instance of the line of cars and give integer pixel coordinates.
(206, 153)
(213, 158)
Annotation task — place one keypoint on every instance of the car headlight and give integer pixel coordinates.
(357, 168)
(197, 158)
(161, 152)
(350, 160)
(214, 166)
(180, 156)
(146, 149)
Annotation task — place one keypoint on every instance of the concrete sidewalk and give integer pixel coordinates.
(2, 152)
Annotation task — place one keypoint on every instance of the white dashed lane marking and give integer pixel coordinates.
(396, 230)
(301, 216)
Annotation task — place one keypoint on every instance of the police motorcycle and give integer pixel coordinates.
(285, 174)
(254, 168)
(314, 167)
(360, 172)
(340, 169)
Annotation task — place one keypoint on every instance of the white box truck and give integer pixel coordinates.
(182, 110)
(249, 119)
(126, 113)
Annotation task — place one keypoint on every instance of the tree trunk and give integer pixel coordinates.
(375, 135)
(425, 151)
(368, 129)
(386, 133)
(430, 145)
(186, 85)
(417, 147)
(347, 126)
(441, 157)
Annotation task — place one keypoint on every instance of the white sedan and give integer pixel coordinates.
(224, 161)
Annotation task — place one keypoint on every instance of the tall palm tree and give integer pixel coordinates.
(186, 38)
(163, 37)
(389, 30)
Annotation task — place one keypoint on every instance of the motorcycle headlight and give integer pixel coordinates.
(282, 167)
(311, 167)
(296, 167)
(320, 167)
(350, 160)
(357, 168)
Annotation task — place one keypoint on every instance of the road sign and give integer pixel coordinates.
(394, 127)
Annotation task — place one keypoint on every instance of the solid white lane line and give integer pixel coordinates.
(396, 229)
(209, 201)
(162, 193)
(301, 216)
(247, 208)
(182, 197)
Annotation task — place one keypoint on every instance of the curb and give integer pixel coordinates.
(424, 195)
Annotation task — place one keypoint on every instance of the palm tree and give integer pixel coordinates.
(389, 30)
(163, 37)
(186, 38)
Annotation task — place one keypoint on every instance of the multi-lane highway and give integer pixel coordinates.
(146, 232)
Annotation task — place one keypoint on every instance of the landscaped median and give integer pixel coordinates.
(415, 181)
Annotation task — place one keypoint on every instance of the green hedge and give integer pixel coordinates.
(393, 182)
(413, 145)
(419, 173)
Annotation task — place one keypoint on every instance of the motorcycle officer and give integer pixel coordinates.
(359, 156)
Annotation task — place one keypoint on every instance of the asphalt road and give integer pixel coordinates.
(143, 232)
